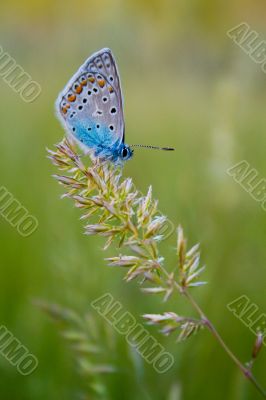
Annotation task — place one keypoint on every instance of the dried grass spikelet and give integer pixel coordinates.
(88, 345)
(113, 208)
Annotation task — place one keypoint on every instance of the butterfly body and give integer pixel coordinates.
(91, 108)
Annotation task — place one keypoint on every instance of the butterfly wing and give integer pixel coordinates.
(91, 106)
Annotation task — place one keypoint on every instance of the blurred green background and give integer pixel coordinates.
(186, 84)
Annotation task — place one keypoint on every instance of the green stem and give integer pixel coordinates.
(246, 371)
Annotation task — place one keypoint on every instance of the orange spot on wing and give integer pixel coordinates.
(101, 83)
(91, 79)
(72, 97)
(65, 108)
(78, 89)
(111, 90)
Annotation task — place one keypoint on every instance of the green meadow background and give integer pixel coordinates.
(186, 84)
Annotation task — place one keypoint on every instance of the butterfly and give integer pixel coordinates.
(90, 107)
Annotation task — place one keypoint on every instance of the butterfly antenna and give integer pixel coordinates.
(153, 147)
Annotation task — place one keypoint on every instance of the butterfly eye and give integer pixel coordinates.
(124, 152)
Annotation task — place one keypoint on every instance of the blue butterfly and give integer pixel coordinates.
(90, 108)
